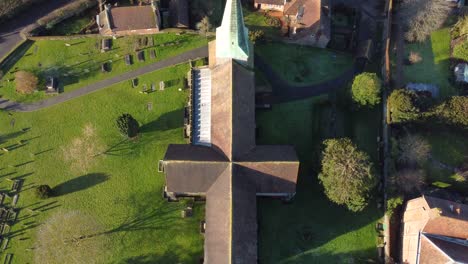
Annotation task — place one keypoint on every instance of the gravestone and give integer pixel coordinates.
(161, 86)
(153, 87)
(149, 106)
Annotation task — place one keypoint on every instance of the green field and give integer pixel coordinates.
(434, 67)
(256, 20)
(304, 65)
(98, 173)
(312, 229)
(80, 63)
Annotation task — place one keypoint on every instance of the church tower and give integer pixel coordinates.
(232, 37)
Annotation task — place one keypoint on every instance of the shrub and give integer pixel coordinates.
(347, 174)
(43, 191)
(127, 125)
(393, 203)
(409, 180)
(460, 28)
(414, 57)
(413, 149)
(204, 26)
(26, 82)
(460, 51)
(256, 36)
(402, 106)
(454, 111)
(366, 89)
(273, 21)
(421, 17)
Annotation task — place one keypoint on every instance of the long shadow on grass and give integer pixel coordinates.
(167, 257)
(80, 183)
(167, 121)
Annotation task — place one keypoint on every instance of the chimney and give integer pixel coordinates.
(458, 210)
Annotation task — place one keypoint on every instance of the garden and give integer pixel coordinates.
(79, 62)
(106, 202)
(304, 65)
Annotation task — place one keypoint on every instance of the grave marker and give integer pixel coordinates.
(161, 86)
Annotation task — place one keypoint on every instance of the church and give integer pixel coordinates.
(223, 164)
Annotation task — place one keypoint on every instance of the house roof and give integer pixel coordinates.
(179, 13)
(310, 9)
(453, 249)
(132, 18)
(270, 2)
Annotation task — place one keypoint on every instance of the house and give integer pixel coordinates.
(461, 73)
(223, 163)
(129, 20)
(277, 5)
(434, 231)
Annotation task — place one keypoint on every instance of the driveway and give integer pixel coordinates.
(29, 107)
(9, 31)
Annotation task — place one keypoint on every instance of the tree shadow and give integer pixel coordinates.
(168, 257)
(80, 183)
(167, 121)
(121, 148)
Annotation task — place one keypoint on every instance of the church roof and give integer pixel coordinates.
(232, 37)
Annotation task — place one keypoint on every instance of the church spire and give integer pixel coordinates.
(232, 37)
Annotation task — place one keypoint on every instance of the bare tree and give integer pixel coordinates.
(71, 237)
(421, 17)
(414, 150)
(204, 26)
(409, 180)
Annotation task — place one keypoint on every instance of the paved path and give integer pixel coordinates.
(285, 92)
(9, 30)
(28, 107)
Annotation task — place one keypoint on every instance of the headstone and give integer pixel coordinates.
(68, 44)
(153, 87)
(35, 49)
(152, 54)
(15, 200)
(149, 106)
(161, 86)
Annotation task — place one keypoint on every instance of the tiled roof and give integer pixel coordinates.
(270, 2)
(132, 18)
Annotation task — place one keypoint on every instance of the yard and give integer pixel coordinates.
(312, 229)
(258, 20)
(434, 67)
(77, 150)
(304, 65)
(77, 62)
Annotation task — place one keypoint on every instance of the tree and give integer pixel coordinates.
(460, 28)
(71, 237)
(409, 180)
(204, 26)
(26, 82)
(347, 174)
(257, 36)
(421, 17)
(402, 106)
(414, 150)
(454, 111)
(43, 191)
(128, 126)
(366, 89)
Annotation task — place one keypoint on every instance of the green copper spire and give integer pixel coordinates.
(232, 37)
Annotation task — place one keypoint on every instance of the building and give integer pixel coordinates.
(129, 20)
(223, 164)
(277, 5)
(434, 231)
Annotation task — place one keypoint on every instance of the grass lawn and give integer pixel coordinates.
(434, 67)
(80, 64)
(99, 173)
(312, 229)
(304, 65)
(256, 20)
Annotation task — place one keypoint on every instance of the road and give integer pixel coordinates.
(29, 107)
(10, 30)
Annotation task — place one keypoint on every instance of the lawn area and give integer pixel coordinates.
(304, 65)
(80, 63)
(312, 229)
(256, 20)
(76, 148)
(434, 67)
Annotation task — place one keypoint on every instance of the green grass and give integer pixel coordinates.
(336, 234)
(255, 20)
(303, 64)
(143, 227)
(80, 64)
(434, 67)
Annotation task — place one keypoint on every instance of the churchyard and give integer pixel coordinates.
(78, 62)
(107, 183)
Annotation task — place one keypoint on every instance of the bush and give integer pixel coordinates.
(460, 51)
(128, 126)
(414, 57)
(366, 89)
(454, 111)
(273, 21)
(43, 191)
(393, 203)
(409, 180)
(421, 17)
(413, 150)
(256, 36)
(402, 106)
(347, 174)
(26, 82)
(460, 28)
